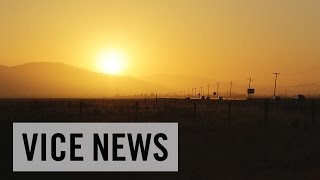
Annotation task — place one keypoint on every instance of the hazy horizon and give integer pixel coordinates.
(178, 44)
(47, 79)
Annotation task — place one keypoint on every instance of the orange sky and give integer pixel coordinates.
(224, 40)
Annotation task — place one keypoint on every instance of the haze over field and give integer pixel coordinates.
(159, 46)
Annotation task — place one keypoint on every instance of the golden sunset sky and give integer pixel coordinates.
(221, 39)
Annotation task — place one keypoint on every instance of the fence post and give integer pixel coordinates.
(313, 113)
(194, 111)
(81, 106)
(266, 109)
(229, 113)
(106, 109)
(136, 111)
(35, 105)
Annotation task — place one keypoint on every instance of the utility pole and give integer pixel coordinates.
(275, 83)
(195, 91)
(201, 91)
(230, 88)
(249, 86)
(250, 82)
(218, 84)
(208, 89)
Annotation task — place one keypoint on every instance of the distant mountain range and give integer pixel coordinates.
(58, 80)
(46, 79)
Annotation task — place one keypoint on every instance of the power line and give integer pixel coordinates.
(275, 83)
(218, 84)
(302, 85)
(266, 87)
(230, 88)
(249, 86)
(250, 82)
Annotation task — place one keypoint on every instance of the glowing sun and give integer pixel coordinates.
(111, 62)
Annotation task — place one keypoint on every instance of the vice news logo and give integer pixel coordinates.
(95, 147)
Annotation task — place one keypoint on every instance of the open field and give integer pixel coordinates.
(257, 139)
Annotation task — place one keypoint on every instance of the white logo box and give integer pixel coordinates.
(22, 164)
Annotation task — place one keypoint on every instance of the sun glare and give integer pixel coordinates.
(111, 62)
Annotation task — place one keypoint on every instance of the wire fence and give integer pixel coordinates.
(208, 114)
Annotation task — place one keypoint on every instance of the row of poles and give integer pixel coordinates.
(201, 91)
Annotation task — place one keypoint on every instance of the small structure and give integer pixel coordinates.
(299, 98)
(250, 91)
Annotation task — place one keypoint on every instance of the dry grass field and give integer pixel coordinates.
(257, 139)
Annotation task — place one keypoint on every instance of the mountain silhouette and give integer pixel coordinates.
(47, 79)
(3, 67)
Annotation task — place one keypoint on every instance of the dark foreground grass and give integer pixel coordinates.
(215, 142)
